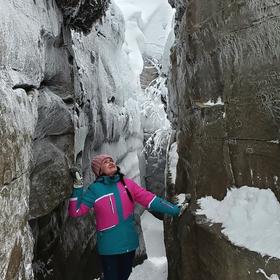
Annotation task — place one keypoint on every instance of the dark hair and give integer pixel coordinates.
(123, 182)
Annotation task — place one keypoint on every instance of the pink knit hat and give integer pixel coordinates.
(97, 162)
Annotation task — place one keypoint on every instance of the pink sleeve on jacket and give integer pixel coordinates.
(140, 195)
(73, 211)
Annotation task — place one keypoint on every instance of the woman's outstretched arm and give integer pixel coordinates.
(80, 203)
(149, 200)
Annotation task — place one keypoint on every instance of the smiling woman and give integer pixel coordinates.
(103, 164)
(113, 199)
(108, 167)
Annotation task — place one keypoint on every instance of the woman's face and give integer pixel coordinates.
(108, 167)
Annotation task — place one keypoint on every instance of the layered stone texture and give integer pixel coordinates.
(226, 52)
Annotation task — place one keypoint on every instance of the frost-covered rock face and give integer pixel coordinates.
(18, 111)
(225, 78)
(52, 154)
(22, 71)
(107, 117)
(65, 97)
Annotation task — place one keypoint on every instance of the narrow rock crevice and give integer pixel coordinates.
(25, 87)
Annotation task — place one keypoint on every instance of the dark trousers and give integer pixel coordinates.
(117, 267)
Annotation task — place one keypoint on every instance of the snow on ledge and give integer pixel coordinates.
(250, 218)
(272, 277)
(173, 160)
(211, 103)
(180, 198)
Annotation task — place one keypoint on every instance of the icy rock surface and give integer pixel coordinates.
(65, 97)
(225, 102)
(18, 118)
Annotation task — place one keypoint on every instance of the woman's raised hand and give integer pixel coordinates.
(77, 178)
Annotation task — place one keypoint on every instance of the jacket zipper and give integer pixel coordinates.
(111, 203)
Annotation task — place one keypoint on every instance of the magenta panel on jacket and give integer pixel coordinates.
(105, 207)
(106, 212)
(140, 195)
(73, 211)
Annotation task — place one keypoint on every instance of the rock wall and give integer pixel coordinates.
(18, 118)
(64, 98)
(225, 80)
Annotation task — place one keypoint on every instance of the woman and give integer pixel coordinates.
(113, 198)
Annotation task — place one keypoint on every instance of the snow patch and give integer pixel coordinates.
(153, 236)
(173, 160)
(250, 218)
(274, 141)
(155, 267)
(150, 270)
(212, 103)
(272, 277)
(181, 198)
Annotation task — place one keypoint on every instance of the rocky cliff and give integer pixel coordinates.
(66, 95)
(225, 80)
(64, 98)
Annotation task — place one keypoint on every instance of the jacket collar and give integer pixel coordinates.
(108, 180)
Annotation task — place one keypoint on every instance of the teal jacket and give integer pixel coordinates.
(116, 230)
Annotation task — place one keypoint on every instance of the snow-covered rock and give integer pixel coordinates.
(257, 210)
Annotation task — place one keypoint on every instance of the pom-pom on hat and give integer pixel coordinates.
(97, 162)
